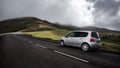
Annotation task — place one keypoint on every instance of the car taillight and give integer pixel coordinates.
(92, 39)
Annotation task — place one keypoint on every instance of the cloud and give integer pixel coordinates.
(106, 13)
(72, 12)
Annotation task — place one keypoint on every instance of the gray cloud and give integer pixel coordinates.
(106, 13)
(64, 11)
(46, 9)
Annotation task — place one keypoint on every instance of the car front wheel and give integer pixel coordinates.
(62, 43)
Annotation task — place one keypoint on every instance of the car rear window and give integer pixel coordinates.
(94, 34)
(81, 34)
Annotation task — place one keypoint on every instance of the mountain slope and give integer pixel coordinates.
(102, 30)
(29, 24)
(89, 28)
(25, 24)
(16, 24)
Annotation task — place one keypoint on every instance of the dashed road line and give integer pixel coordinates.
(83, 60)
(40, 46)
(64, 54)
(29, 42)
(24, 39)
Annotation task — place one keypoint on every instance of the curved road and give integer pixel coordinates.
(20, 51)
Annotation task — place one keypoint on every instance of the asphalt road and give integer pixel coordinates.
(20, 51)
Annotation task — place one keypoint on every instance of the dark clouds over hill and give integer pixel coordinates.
(102, 13)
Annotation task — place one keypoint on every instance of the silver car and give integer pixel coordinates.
(85, 39)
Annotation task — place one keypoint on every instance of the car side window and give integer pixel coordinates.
(71, 34)
(81, 34)
(77, 34)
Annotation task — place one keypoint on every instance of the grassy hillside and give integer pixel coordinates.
(16, 24)
(49, 34)
(39, 26)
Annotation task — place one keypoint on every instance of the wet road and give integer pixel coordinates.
(20, 51)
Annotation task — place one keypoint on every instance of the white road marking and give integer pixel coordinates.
(71, 56)
(19, 38)
(24, 39)
(30, 42)
(11, 33)
(68, 55)
(40, 46)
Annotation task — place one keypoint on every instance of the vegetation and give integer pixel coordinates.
(111, 41)
(108, 46)
(50, 34)
(111, 37)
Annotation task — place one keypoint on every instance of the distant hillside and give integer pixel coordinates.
(34, 24)
(102, 30)
(89, 28)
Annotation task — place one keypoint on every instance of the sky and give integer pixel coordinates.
(100, 13)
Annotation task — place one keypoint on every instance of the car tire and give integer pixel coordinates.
(62, 43)
(85, 47)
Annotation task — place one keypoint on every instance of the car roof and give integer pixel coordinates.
(83, 31)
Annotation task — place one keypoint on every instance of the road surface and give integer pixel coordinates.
(20, 51)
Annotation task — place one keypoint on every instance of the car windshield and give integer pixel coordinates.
(94, 34)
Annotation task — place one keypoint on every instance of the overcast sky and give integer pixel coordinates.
(101, 13)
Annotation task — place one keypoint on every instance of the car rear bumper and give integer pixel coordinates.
(96, 45)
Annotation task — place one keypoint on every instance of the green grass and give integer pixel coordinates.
(108, 46)
(50, 34)
(56, 34)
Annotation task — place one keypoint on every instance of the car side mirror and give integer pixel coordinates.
(67, 36)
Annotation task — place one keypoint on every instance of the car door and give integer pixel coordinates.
(77, 39)
(69, 38)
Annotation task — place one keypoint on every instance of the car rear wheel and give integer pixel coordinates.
(85, 47)
(62, 43)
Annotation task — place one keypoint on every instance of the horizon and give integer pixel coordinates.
(62, 24)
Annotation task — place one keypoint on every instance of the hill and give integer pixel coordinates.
(89, 28)
(12, 25)
(101, 30)
(30, 24)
